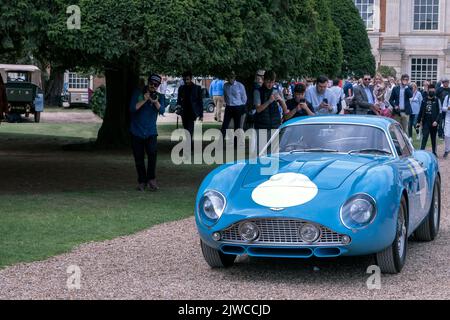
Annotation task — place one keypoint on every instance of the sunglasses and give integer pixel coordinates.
(367, 79)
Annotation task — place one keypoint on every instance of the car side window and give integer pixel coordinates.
(399, 141)
(408, 143)
(395, 141)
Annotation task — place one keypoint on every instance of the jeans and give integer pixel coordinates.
(188, 124)
(412, 123)
(429, 130)
(140, 148)
(234, 113)
(403, 119)
(442, 125)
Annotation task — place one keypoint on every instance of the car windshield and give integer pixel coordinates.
(18, 76)
(342, 138)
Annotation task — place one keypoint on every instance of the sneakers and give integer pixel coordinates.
(445, 154)
(152, 185)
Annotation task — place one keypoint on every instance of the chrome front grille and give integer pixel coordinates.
(281, 231)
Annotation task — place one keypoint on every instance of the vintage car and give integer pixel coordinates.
(208, 102)
(208, 105)
(330, 186)
(23, 89)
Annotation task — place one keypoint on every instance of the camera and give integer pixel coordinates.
(179, 110)
(154, 95)
(302, 100)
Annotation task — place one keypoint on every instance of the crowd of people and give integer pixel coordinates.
(422, 109)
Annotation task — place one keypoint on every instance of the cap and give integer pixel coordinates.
(445, 79)
(154, 78)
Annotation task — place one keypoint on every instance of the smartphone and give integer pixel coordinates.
(325, 101)
(302, 101)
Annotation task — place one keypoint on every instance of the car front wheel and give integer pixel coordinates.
(215, 258)
(392, 259)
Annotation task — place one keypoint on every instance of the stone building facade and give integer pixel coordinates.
(413, 36)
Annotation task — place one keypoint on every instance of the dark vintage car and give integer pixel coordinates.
(23, 89)
(208, 103)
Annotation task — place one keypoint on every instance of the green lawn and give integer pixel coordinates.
(52, 200)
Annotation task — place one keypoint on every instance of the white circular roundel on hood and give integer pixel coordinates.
(285, 190)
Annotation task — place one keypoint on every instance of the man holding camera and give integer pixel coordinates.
(145, 108)
(267, 100)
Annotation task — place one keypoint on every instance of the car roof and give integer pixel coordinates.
(18, 67)
(377, 121)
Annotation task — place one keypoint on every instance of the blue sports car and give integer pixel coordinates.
(326, 187)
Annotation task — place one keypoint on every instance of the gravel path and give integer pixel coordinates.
(165, 262)
(89, 117)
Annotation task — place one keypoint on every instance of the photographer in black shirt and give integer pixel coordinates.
(298, 106)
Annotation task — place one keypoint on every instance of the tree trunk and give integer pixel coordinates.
(121, 79)
(54, 87)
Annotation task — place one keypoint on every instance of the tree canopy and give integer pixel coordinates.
(210, 37)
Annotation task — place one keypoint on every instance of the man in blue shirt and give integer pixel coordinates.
(321, 98)
(235, 100)
(145, 106)
(216, 92)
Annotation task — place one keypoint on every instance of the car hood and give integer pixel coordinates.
(326, 172)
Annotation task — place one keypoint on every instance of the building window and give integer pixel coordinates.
(424, 69)
(365, 8)
(77, 82)
(426, 14)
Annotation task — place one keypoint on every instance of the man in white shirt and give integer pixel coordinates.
(338, 93)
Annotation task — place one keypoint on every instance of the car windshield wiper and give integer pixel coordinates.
(370, 150)
(314, 150)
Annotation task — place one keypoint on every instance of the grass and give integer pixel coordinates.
(34, 227)
(53, 200)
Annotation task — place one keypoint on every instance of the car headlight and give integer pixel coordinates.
(211, 205)
(359, 211)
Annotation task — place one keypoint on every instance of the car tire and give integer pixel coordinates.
(392, 259)
(210, 108)
(215, 258)
(37, 117)
(429, 228)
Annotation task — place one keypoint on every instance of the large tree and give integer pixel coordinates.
(124, 38)
(358, 57)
